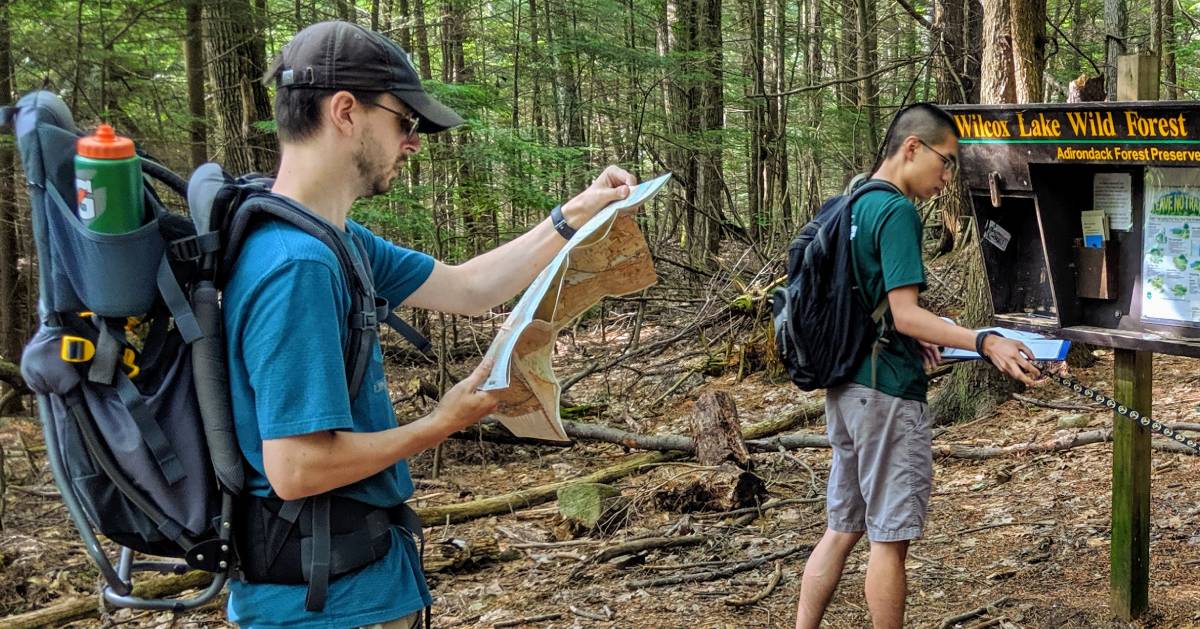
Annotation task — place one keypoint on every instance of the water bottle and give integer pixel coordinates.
(108, 182)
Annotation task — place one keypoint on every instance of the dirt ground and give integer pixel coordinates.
(1024, 538)
(1027, 535)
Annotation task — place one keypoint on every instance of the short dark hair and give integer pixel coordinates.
(298, 110)
(926, 121)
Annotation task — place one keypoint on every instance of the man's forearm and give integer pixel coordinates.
(298, 467)
(923, 325)
(499, 274)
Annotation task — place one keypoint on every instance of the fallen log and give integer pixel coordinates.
(797, 441)
(10, 374)
(494, 432)
(444, 556)
(1057, 444)
(76, 608)
(507, 503)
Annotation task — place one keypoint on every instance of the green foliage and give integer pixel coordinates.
(596, 89)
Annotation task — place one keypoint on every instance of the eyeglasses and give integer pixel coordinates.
(949, 162)
(408, 122)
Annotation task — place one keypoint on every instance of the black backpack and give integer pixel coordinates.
(132, 387)
(824, 327)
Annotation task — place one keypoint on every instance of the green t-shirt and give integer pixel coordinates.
(886, 240)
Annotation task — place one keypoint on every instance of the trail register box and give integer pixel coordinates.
(1088, 216)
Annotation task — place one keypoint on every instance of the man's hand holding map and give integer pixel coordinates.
(608, 256)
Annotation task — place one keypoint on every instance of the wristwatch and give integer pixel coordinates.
(560, 223)
(979, 339)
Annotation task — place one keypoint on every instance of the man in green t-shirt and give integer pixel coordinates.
(881, 474)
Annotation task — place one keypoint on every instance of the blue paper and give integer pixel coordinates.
(1043, 348)
(1095, 241)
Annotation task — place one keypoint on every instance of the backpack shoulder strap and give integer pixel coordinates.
(880, 310)
(364, 317)
(367, 310)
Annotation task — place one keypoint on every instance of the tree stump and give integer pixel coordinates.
(1086, 89)
(726, 481)
(457, 555)
(585, 508)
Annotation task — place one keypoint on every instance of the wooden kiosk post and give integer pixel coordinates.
(1133, 378)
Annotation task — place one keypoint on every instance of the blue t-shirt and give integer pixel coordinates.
(286, 307)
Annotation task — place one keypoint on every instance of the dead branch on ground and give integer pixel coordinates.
(712, 575)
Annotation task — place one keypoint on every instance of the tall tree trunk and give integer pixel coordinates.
(998, 79)
(974, 389)
(12, 328)
(1029, 48)
(777, 118)
(1115, 20)
(571, 80)
(712, 122)
(664, 41)
(758, 208)
(814, 72)
(240, 99)
(1170, 73)
(516, 73)
(950, 39)
(973, 27)
(950, 36)
(681, 20)
(193, 58)
(535, 69)
(868, 95)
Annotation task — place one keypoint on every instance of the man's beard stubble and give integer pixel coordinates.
(375, 178)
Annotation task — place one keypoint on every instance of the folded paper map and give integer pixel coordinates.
(607, 256)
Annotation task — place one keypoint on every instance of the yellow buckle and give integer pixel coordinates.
(128, 360)
(76, 349)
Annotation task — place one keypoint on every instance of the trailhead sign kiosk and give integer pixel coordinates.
(1088, 218)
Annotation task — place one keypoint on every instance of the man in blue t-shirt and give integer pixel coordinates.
(881, 474)
(350, 109)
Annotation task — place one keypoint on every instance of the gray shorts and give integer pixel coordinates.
(882, 470)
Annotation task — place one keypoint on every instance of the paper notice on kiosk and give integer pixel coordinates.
(1112, 193)
(1171, 245)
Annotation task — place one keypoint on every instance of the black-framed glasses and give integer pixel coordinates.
(949, 162)
(408, 122)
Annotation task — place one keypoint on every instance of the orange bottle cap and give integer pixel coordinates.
(105, 144)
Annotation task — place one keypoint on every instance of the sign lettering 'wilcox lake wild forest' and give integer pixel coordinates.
(1130, 134)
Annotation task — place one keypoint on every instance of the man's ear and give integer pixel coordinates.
(911, 144)
(339, 110)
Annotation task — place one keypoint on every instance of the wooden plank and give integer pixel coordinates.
(1129, 552)
(1137, 77)
(1144, 338)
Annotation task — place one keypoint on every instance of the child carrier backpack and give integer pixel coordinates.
(824, 327)
(129, 369)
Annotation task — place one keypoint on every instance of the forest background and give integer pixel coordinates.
(761, 108)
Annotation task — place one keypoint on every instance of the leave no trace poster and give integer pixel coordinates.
(1171, 245)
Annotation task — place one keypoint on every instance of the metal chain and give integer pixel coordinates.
(1125, 411)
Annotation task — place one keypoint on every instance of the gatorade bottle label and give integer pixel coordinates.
(84, 199)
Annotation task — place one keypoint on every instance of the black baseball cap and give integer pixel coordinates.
(345, 56)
